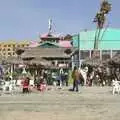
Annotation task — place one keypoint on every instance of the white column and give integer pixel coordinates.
(100, 54)
(111, 55)
(73, 64)
(11, 71)
(90, 55)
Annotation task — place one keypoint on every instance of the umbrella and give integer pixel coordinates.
(24, 71)
(14, 60)
(92, 61)
(40, 61)
(96, 62)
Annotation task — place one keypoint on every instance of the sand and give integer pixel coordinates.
(92, 103)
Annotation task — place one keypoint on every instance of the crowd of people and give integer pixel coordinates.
(95, 75)
(86, 75)
(41, 82)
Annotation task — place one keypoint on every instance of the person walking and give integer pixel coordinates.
(76, 78)
(61, 77)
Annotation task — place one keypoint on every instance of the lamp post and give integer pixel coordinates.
(79, 52)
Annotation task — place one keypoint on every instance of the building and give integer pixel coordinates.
(8, 48)
(108, 44)
(51, 49)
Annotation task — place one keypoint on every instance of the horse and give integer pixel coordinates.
(83, 75)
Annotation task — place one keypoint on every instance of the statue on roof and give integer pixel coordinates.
(49, 26)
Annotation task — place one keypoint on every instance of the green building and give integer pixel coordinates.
(108, 43)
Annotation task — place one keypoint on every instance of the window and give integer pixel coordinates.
(84, 54)
(13, 46)
(105, 54)
(96, 54)
(9, 45)
(9, 54)
(5, 45)
(8, 49)
(114, 52)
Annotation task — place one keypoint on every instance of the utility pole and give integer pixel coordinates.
(79, 52)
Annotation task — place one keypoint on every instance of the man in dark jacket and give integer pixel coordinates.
(76, 77)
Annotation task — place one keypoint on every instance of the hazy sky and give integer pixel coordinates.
(23, 19)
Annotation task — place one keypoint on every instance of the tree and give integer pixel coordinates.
(68, 37)
(100, 20)
(68, 51)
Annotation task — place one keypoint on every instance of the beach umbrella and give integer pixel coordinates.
(96, 62)
(92, 61)
(24, 71)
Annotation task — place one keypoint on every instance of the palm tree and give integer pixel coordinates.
(100, 19)
(105, 7)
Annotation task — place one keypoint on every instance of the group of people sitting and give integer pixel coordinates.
(39, 85)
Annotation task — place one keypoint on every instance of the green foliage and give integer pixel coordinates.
(105, 7)
(100, 16)
(68, 37)
(14, 75)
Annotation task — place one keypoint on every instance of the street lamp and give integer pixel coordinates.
(79, 52)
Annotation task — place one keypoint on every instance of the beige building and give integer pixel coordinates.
(8, 48)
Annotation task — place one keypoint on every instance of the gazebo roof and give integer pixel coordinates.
(45, 53)
(14, 60)
(40, 61)
(65, 43)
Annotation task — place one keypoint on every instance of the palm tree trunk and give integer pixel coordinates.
(97, 36)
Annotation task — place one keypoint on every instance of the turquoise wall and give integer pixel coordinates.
(109, 39)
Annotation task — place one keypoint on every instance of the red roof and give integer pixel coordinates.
(65, 44)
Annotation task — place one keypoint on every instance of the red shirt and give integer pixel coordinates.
(25, 84)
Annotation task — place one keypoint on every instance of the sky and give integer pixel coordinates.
(26, 19)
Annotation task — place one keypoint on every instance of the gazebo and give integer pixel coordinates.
(53, 55)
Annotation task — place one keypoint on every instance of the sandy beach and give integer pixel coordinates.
(92, 103)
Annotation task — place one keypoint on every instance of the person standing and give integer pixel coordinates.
(26, 85)
(61, 77)
(66, 78)
(76, 77)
